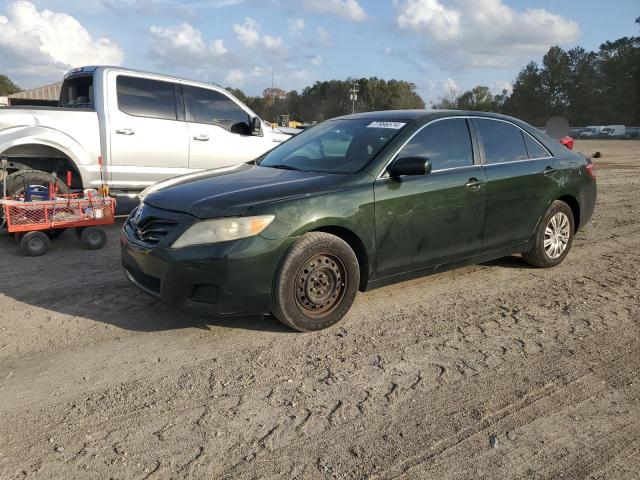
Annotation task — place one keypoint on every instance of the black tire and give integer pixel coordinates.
(78, 231)
(316, 282)
(93, 238)
(34, 244)
(538, 255)
(17, 180)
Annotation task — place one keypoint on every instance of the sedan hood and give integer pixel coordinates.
(232, 191)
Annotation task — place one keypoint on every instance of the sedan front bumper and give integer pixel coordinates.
(229, 278)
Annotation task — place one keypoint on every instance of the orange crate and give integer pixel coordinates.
(60, 213)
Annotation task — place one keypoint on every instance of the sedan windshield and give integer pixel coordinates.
(335, 146)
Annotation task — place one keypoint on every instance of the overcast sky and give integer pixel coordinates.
(437, 44)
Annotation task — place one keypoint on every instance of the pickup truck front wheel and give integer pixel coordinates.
(18, 181)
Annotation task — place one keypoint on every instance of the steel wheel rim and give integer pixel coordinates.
(320, 284)
(556, 235)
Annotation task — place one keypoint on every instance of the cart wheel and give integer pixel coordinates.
(54, 233)
(35, 244)
(93, 238)
(79, 231)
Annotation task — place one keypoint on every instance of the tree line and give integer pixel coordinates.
(587, 88)
(332, 98)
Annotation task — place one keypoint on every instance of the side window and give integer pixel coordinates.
(502, 141)
(534, 148)
(146, 98)
(447, 143)
(214, 108)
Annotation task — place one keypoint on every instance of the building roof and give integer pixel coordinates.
(48, 92)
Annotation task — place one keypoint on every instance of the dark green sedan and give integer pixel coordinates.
(354, 203)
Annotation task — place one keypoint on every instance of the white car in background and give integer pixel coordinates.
(130, 129)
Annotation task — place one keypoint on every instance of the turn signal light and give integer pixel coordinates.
(591, 170)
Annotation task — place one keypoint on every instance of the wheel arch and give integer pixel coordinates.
(46, 143)
(357, 245)
(44, 157)
(575, 209)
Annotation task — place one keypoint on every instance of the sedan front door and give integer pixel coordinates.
(432, 219)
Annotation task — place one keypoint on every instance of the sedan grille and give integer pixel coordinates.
(147, 228)
(151, 230)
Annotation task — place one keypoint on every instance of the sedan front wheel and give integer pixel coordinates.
(316, 283)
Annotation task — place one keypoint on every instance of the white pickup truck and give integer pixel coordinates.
(130, 129)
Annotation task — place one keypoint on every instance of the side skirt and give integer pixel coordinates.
(423, 272)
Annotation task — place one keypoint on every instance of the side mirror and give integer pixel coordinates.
(256, 126)
(409, 166)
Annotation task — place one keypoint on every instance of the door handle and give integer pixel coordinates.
(125, 131)
(201, 138)
(474, 183)
(549, 170)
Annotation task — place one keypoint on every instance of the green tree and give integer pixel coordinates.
(7, 87)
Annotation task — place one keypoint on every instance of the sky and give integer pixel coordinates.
(440, 45)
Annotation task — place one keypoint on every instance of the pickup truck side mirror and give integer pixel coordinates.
(409, 166)
(256, 126)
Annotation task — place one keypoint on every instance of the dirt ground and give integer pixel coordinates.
(493, 371)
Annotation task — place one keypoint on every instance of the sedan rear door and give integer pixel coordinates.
(522, 177)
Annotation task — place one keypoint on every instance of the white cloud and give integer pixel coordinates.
(501, 85)
(346, 9)
(451, 86)
(483, 33)
(296, 26)
(235, 77)
(247, 33)
(323, 37)
(217, 47)
(182, 44)
(272, 43)
(40, 45)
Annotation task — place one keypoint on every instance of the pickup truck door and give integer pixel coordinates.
(149, 139)
(219, 130)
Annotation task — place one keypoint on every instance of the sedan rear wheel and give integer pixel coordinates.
(553, 237)
(316, 283)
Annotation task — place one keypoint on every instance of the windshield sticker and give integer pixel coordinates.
(392, 125)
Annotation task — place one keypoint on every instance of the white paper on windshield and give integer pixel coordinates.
(392, 125)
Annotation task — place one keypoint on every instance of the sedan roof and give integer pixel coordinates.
(409, 115)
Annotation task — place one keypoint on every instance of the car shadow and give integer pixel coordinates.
(513, 261)
(90, 284)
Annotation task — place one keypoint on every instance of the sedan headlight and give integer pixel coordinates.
(222, 230)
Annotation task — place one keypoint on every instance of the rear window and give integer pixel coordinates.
(534, 148)
(77, 92)
(502, 141)
(143, 97)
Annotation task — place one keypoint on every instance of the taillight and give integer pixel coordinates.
(591, 170)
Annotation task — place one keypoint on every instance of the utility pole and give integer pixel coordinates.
(353, 95)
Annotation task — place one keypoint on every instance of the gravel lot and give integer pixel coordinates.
(493, 371)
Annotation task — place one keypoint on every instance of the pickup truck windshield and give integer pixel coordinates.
(335, 146)
(77, 92)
